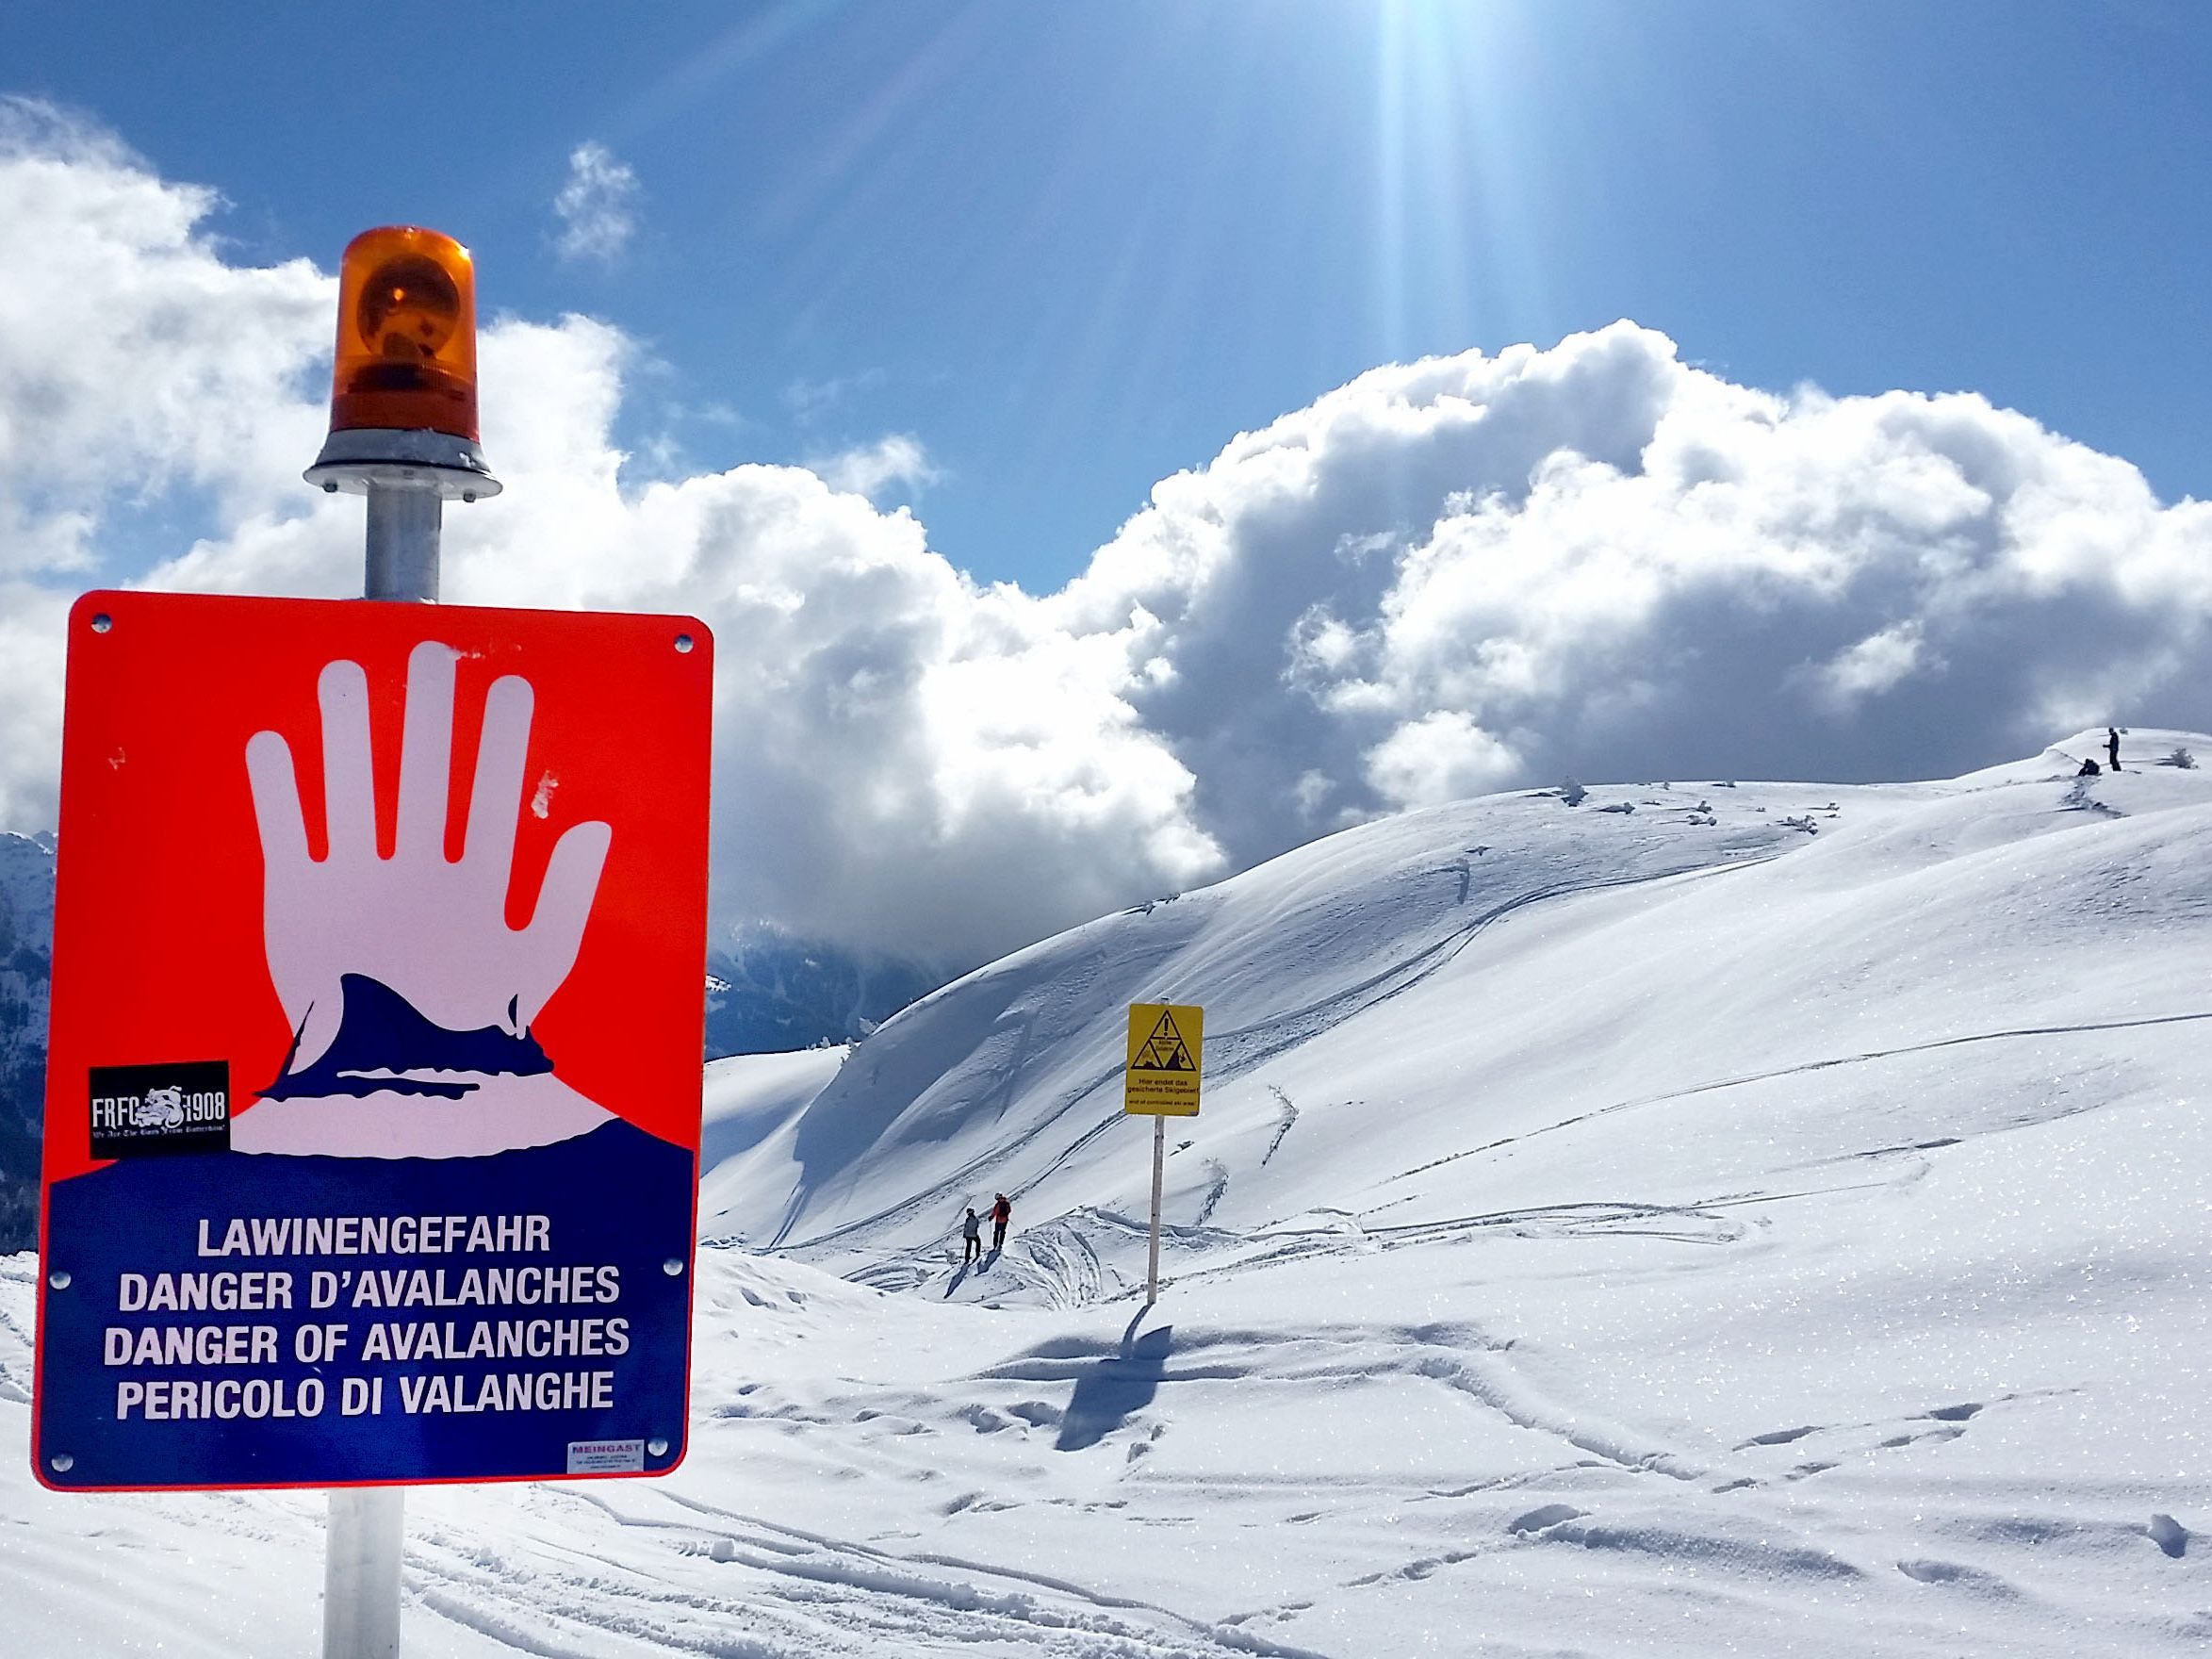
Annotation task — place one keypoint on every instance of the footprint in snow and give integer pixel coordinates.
(1952, 1572)
(1778, 1436)
(1537, 1520)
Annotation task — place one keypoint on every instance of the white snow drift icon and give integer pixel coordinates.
(410, 999)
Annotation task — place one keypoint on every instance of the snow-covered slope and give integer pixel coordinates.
(746, 1099)
(1536, 994)
(1763, 1218)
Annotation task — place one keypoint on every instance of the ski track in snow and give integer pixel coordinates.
(1799, 1070)
(1457, 1357)
(750, 1591)
(719, 1583)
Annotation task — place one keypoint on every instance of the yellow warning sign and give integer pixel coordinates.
(1163, 1060)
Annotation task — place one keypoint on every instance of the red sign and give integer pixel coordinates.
(373, 1086)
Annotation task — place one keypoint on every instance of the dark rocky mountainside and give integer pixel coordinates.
(27, 943)
(769, 994)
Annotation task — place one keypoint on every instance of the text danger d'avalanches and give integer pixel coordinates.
(382, 1339)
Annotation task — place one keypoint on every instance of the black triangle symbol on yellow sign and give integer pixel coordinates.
(1164, 1050)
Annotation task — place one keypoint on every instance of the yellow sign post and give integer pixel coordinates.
(1161, 1081)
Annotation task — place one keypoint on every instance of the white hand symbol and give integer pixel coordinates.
(431, 929)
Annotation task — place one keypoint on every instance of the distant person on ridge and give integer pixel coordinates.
(2089, 769)
(2112, 745)
(971, 1229)
(1001, 1213)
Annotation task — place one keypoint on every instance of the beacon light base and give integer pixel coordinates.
(369, 458)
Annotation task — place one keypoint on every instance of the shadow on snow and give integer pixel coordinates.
(1110, 1391)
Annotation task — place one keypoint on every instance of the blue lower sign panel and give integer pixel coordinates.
(220, 1319)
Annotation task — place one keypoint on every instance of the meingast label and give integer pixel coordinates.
(606, 1457)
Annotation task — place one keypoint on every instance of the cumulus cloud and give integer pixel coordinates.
(1475, 570)
(135, 363)
(896, 459)
(1444, 755)
(1446, 577)
(597, 205)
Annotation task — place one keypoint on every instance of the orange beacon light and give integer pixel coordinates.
(403, 402)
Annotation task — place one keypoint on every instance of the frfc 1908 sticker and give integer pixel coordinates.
(139, 1110)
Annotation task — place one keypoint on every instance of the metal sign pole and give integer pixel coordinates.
(1159, 1168)
(368, 1524)
(402, 433)
(403, 525)
(361, 1572)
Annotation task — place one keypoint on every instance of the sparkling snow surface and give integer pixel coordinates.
(1770, 1221)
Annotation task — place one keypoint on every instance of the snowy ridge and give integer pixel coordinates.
(1708, 1218)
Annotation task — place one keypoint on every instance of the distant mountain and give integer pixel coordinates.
(769, 994)
(26, 946)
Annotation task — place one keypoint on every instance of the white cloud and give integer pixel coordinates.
(596, 207)
(1445, 577)
(896, 459)
(1597, 559)
(135, 364)
(810, 400)
(1442, 756)
(1876, 665)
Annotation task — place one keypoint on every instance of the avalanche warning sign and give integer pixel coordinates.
(1163, 1060)
(372, 1106)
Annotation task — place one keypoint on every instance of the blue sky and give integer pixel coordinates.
(1074, 248)
(1064, 253)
